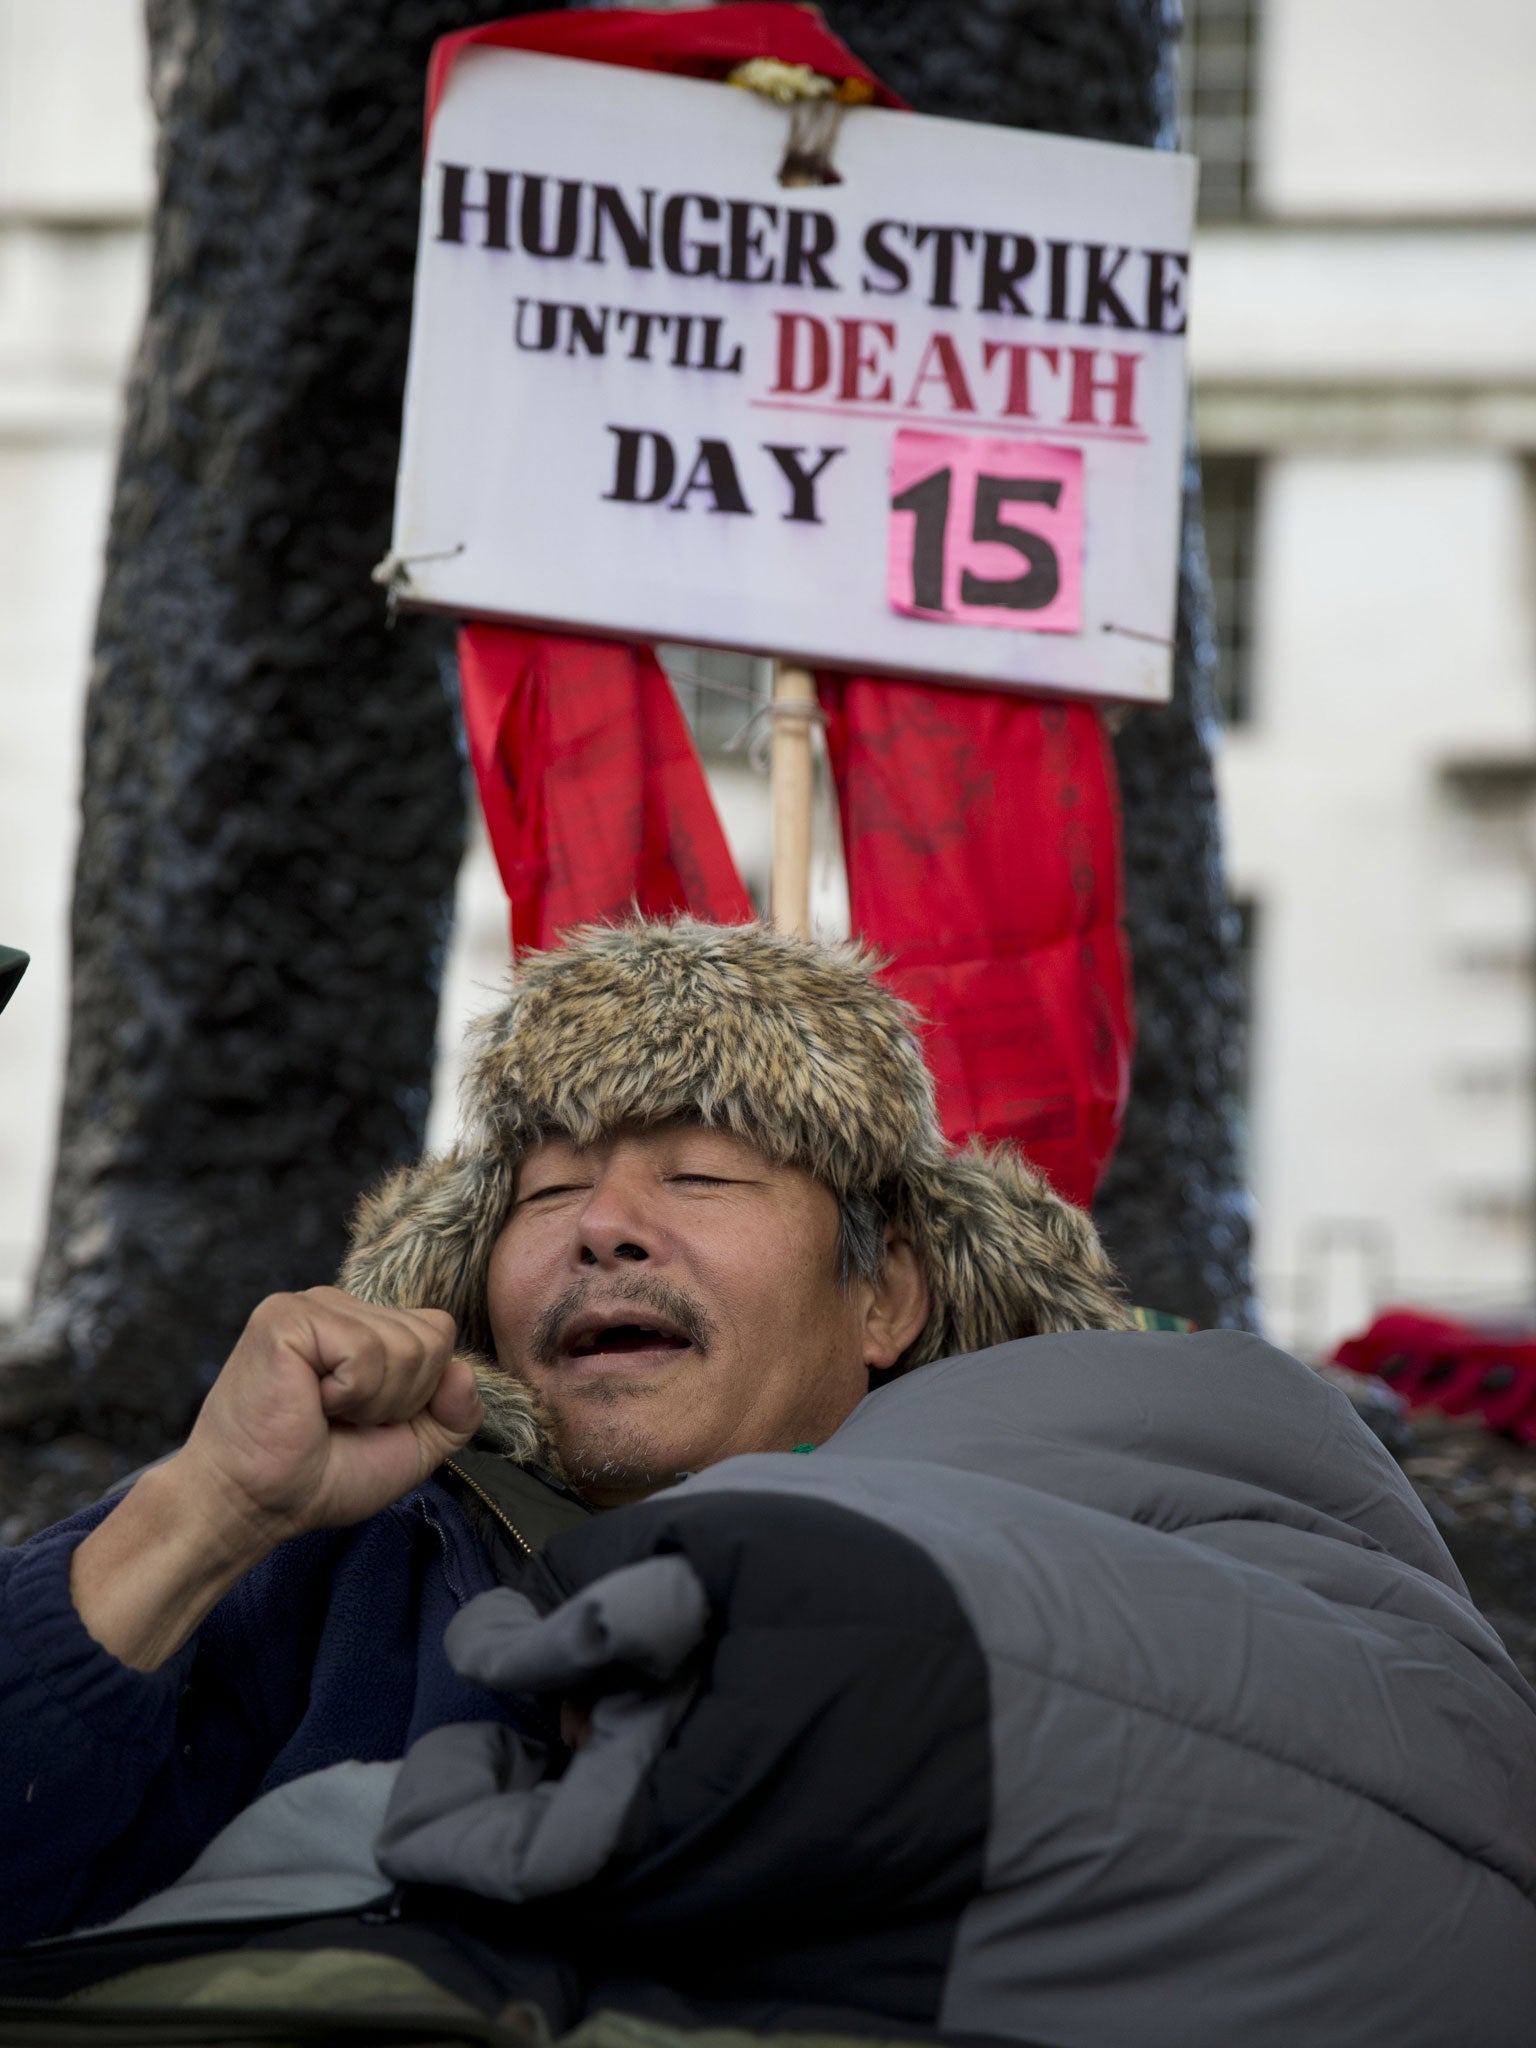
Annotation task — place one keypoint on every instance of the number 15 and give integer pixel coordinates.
(1031, 591)
(974, 508)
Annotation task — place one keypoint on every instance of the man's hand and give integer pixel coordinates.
(326, 1411)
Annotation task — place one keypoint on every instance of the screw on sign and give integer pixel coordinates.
(986, 532)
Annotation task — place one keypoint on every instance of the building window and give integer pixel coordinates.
(1230, 487)
(1492, 811)
(1218, 63)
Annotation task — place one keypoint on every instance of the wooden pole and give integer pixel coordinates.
(792, 778)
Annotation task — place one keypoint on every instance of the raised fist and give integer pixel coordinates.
(327, 1410)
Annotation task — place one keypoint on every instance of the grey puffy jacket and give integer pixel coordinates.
(1096, 1689)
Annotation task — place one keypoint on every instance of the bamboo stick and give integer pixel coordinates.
(792, 777)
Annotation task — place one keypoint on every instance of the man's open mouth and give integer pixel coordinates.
(601, 1337)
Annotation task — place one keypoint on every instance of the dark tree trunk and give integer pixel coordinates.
(1173, 1208)
(273, 795)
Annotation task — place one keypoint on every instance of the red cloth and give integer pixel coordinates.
(592, 792)
(1436, 1362)
(980, 829)
(981, 837)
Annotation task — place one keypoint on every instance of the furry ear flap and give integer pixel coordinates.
(515, 1422)
(424, 1239)
(1005, 1255)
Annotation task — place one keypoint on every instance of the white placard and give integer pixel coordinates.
(928, 420)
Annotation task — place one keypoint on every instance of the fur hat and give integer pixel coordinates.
(795, 1047)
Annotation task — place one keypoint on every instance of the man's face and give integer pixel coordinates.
(674, 1299)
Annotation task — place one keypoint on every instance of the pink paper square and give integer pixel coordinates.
(956, 500)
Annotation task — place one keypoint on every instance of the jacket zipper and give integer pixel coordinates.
(480, 1493)
(459, 1595)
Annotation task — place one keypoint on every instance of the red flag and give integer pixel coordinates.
(593, 794)
(981, 837)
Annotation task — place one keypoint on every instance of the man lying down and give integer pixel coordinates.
(808, 1605)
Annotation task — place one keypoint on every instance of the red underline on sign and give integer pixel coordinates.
(1033, 428)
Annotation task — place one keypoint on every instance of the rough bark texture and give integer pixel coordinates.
(1173, 1208)
(273, 794)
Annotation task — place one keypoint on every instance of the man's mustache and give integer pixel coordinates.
(678, 1310)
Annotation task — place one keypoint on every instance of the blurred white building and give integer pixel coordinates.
(1364, 347)
(76, 186)
(1364, 344)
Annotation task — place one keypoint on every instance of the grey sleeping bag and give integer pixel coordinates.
(1097, 1689)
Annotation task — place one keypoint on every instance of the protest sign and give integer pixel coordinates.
(928, 419)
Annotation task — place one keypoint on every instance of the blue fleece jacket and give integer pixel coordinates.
(112, 1780)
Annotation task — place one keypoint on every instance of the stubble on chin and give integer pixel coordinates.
(602, 1431)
